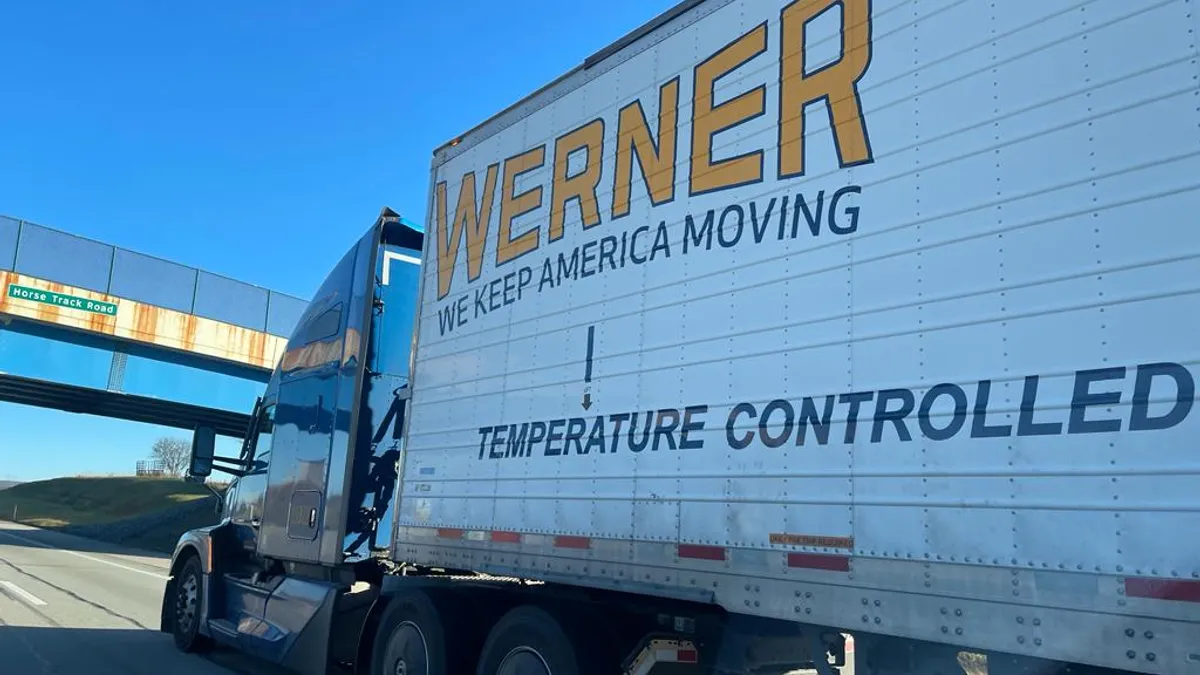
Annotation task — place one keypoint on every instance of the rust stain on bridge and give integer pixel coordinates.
(144, 323)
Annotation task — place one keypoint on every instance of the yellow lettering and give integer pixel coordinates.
(581, 186)
(708, 120)
(469, 219)
(513, 206)
(656, 158)
(836, 84)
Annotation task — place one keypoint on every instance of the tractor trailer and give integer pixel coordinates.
(772, 324)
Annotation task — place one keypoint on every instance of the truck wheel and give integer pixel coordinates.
(529, 641)
(412, 637)
(186, 619)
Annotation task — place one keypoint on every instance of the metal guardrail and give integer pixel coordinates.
(53, 255)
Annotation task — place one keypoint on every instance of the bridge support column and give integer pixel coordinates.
(116, 372)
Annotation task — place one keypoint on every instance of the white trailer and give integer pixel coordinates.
(877, 316)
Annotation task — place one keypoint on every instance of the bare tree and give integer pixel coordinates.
(173, 453)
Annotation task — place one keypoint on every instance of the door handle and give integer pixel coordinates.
(312, 518)
(316, 422)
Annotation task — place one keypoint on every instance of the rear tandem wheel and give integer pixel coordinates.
(530, 641)
(414, 633)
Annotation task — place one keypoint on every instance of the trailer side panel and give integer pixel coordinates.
(874, 315)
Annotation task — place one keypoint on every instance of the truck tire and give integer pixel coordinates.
(412, 637)
(530, 641)
(185, 619)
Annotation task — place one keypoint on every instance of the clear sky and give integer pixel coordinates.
(255, 140)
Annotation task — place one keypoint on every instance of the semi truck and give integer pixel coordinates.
(773, 328)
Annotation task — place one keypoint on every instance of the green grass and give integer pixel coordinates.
(163, 537)
(87, 501)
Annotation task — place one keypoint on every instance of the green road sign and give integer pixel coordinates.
(61, 300)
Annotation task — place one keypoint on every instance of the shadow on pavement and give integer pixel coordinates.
(20, 535)
(27, 650)
(35, 650)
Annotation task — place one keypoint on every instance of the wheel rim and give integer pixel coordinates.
(185, 603)
(407, 653)
(523, 661)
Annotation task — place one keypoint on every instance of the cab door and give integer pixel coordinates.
(318, 379)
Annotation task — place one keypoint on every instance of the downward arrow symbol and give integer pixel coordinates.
(587, 373)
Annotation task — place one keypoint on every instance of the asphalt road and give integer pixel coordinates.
(74, 605)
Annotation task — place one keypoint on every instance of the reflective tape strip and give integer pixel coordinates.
(537, 540)
(565, 541)
(698, 552)
(817, 561)
(676, 656)
(663, 651)
(1162, 589)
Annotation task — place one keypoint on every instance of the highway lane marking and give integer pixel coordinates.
(23, 594)
(77, 554)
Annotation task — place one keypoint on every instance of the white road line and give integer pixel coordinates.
(80, 555)
(23, 594)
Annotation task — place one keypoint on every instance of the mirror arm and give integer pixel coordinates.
(214, 492)
(251, 437)
(233, 472)
(240, 466)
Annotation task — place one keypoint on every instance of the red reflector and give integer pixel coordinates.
(687, 656)
(572, 542)
(449, 533)
(698, 552)
(814, 561)
(506, 537)
(1163, 589)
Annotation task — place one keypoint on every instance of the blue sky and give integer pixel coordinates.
(255, 140)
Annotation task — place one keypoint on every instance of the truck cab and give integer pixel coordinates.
(310, 505)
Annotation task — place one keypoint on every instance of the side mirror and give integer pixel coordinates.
(204, 443)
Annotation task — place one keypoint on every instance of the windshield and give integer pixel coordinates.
(400, 280)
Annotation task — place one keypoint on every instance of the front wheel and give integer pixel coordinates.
(186, 617)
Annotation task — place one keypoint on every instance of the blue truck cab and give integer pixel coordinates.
(306, 520)
(304, 569)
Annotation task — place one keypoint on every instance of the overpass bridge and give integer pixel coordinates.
(92, 328)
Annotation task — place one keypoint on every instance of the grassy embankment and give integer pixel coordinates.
(64, 502)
